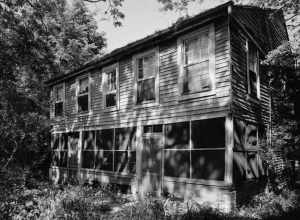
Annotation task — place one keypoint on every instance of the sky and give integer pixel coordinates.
(142, 18)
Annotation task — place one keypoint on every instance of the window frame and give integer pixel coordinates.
(249, 92)
(88, 76)
(104, 74)
(211, 62)
(56, 101)
(156, 78)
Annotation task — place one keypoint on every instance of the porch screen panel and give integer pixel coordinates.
(105, 148)
(124, 154)
(176, 152)
(73, 140)
(88, 149)
(208, 149)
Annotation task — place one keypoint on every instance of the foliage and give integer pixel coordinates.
(38, 40)
(23, 197)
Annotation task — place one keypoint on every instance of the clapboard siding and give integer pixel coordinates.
(170, 106)
(242, 107)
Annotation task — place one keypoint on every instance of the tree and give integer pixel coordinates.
(39, 40)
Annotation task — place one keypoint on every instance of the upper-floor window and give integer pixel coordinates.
(146, 74)
(59, 100)
(110, 79)
(83, 95)
(253, 70)
(197, 61)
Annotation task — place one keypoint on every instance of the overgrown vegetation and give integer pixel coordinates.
(25, 197)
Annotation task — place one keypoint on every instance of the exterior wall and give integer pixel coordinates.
(170, 107)
(169, 110)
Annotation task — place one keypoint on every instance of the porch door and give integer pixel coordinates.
(151, 164)
(73, 141)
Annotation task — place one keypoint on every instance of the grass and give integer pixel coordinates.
(28, 198)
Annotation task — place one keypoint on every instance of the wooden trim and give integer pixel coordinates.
(139, 150)
(229, 132)
(196, 181)
(170, 120)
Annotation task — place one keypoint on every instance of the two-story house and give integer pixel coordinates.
(180, 112)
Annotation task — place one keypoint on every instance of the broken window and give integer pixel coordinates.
(59, 101)
(110, 86)
(83, 95)
(253, 68)
(146, 68)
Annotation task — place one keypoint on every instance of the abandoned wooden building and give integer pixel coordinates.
(179, 112)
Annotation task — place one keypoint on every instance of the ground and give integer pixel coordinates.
(25, 197)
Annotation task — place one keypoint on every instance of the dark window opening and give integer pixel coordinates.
(83, 103)
(111, 100)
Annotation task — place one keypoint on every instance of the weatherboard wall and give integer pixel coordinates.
(170, 107)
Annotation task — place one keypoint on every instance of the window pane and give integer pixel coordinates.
(60, 93)
(132, 162)
(251, 137)
(105, 139)
(111, 80)
(149, 65)
(253, 83)
(88, 140)
(177, 135)
(196, 49)
(88, 159)
(197, 78)
(63, 158)
(208, 165)
(64, 142)
(140, 68)
(58, 109)
(209, 133)
(177, 163)
(104, 160)
(121, 162)
(125, 138)
(253, 61)
(73, 140)
(83, 85)
(83, 103)
(146, 90)
(55, 141)
(111, 100)
(55, 158)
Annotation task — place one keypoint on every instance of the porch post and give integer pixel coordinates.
(228, 148)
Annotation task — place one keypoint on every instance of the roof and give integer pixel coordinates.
(246, 16)
(151, 40)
